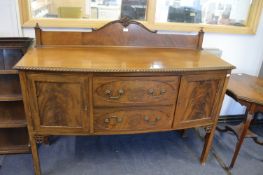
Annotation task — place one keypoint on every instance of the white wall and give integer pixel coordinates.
(9, 21)
(243, 51)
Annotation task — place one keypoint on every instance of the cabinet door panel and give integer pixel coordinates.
(198, 98)
(59, 101)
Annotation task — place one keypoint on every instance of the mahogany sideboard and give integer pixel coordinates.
(120, 79)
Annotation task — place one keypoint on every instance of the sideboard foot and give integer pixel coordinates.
(208, 143)
(34, 140)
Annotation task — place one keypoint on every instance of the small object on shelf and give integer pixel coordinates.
(13, 125)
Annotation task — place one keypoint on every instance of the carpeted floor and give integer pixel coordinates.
(164, 153)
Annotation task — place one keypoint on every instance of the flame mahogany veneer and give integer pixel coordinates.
(120, 79)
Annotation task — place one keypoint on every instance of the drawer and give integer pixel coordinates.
(135, 91)
(133, 119)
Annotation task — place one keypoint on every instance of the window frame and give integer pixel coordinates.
(253, 20)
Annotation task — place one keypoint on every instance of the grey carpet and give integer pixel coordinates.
(250, 158)
(164, 153)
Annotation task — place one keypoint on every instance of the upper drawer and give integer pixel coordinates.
(134, 91)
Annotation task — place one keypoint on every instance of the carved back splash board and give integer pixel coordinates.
(124, 32)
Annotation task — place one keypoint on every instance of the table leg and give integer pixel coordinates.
(241, 138)
(33, 142)
(208, 143)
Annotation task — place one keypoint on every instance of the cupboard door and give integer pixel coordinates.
(198, 99)
(60, 102)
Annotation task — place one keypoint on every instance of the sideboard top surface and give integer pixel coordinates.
(120, 59)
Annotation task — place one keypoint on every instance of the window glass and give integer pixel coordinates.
(89, 9)
(221, 12)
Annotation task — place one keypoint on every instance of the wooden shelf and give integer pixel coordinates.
(15, 97)
(10, 87)
(8, 72)
(14, 140)
(15, 149)
(12, 114)
(13, 124)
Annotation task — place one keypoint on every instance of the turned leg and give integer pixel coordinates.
(241, 139)
(208, 143)
(34, 140)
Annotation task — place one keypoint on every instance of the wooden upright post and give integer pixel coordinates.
(200, 39)
(38, 32)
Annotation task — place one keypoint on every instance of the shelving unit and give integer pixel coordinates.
(13, 131)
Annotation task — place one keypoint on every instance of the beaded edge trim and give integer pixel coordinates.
(58, 69)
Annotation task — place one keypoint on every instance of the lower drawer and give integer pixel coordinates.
(133, 119)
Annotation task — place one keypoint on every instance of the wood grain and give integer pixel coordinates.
(130, 119)
(124, 32)
(246, 87)
(198, 97)
(135, 91)
(120, 59)
(59, 101)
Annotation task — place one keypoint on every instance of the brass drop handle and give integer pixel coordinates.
(109, 94)
(162, 91)
(152, 122)
(113, 118)
(151, 92)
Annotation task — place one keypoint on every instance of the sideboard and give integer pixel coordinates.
(120, 79)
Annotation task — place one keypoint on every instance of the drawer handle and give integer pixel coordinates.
(114, 119)
(152, 122)
(152, 92)
(109, 93)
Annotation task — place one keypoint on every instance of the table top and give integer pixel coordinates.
(120, 59)
(246, 87)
